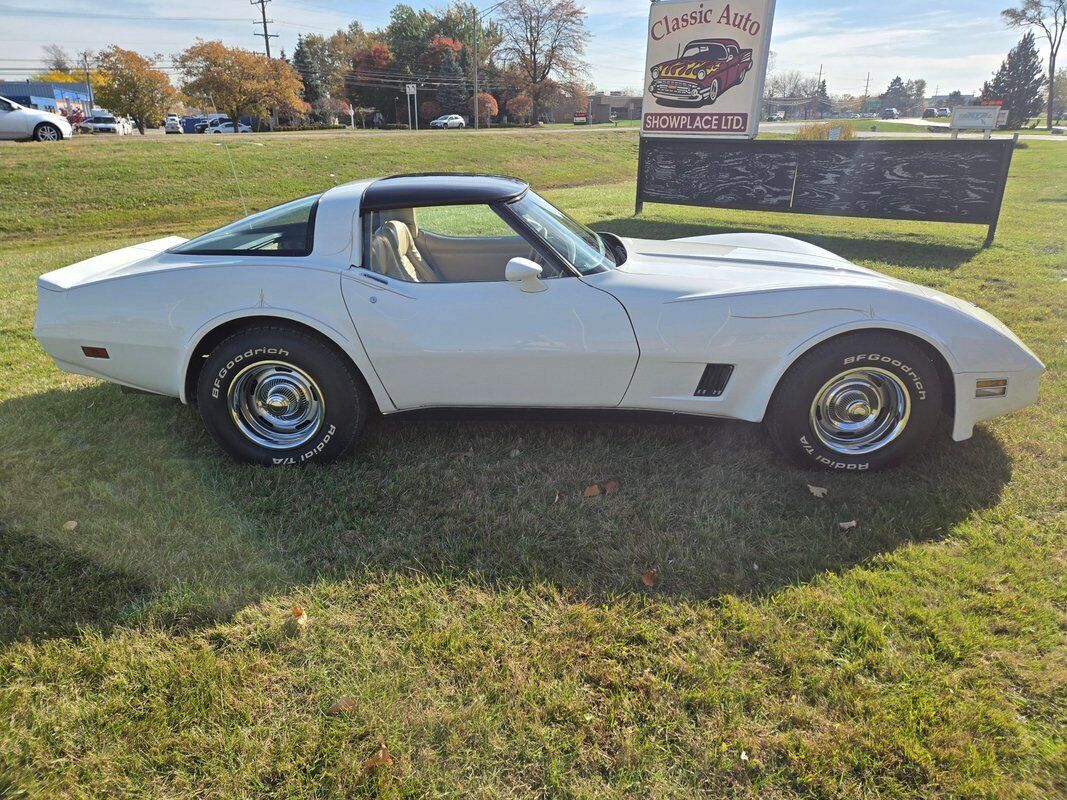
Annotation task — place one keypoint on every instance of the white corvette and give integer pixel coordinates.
(289, 328)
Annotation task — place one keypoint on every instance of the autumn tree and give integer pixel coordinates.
(520, 106)
(429, 110)
(134, 88)
(1050, 17)
(545, 39)
(487, 106)
(239, 81)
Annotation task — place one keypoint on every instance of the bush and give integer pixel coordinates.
(311, 126)
(396, 126)
(820, 131)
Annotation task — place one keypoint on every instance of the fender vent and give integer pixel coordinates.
(713, 381)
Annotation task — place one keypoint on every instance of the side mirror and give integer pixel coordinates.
(525, 272)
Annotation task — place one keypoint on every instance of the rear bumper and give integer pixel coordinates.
(1021, 392)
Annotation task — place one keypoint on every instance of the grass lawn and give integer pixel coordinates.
(487, 624)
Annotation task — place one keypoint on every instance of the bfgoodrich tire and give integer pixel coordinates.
(281, 397)
(858, 402)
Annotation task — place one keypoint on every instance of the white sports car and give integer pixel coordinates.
(289, 328)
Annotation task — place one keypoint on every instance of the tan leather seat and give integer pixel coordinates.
(395, 254)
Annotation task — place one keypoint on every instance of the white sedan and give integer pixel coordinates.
(18, 122)
(226, 126)
(448, 121)
(289, 328)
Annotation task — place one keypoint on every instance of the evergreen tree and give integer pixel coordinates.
(1018, 83)
(452, 94)
(896, 94)
(305, 67)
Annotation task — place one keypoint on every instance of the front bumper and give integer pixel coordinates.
(672, 89)
(1022, 390)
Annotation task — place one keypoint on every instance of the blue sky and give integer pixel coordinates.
(953, 45)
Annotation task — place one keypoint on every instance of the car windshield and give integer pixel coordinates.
(705, 50)
(284, 230)
(572, 241)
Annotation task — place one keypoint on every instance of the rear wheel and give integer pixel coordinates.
(47, 132)
(281, 397)
(858, 402)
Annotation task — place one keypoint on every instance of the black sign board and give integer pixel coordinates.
(936, 181)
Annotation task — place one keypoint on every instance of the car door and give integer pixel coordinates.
(489, 342)
(12, 123)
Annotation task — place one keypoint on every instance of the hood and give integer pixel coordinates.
(687, 67)
(743, 263)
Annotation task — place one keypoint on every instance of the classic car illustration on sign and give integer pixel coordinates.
(705, 64)
(706, 68)
(289, 328)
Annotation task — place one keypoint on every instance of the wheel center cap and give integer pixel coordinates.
(278, 404)
(858, 410)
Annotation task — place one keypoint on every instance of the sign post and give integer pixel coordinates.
(410, 98)
(705, 65)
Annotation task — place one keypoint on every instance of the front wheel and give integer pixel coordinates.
(47, 132)
(280, 397)
(857, 402)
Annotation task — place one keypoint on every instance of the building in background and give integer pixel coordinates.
(603, 106)
(59, 98)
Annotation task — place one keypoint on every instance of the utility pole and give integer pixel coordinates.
(88, 83)
(477, 24)
(866, 88)
(267, 35)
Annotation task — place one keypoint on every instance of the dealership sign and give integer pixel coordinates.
(705, 66)
(974, 118)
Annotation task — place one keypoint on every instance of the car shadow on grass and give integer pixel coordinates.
(171, 532)
(919, 253)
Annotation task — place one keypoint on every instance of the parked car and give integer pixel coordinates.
(173, 124)
(103, 123)
(944, 112)
(448, 121)
(427, 291)
(705, 69)
(226, 126)
(890, 113)
(777, 116)
(202, 125)
(18, 122)
(930, 113)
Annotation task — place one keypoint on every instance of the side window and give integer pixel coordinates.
(4, 105)
(444, 244)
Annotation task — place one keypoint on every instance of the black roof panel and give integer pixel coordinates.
(440, 189)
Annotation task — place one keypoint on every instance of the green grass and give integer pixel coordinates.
(497, 640)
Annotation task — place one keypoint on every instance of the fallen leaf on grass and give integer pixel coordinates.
(744, 756)
(650, 577)
(382, 758)
(516, 453)
(343, 705)
(818, 491)
(559, 496)
(846, 525)
(604, 487)
(70, 525)
(298, 623)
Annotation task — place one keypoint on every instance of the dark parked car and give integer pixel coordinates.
(890, 113)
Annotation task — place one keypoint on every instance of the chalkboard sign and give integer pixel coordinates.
(950, 181)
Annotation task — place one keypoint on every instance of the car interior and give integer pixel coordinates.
(444, 244)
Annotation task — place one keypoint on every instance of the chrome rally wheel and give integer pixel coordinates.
(860, 411)
(276, 405)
